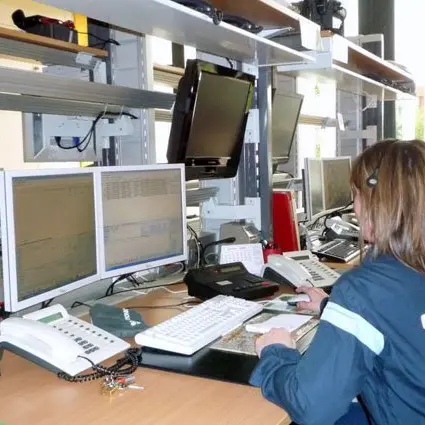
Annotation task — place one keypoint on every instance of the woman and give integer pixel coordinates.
(370, 343)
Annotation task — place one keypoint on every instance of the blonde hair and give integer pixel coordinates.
(389, 178)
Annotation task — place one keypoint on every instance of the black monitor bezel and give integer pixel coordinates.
(203, 168)
(276, 160)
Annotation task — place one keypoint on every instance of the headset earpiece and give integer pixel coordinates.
(372, 180)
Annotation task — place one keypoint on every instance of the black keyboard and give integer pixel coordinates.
(341, 250)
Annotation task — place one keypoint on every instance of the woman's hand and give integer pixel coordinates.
(316, 295)
(274, 336)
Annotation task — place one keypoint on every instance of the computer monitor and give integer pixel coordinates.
(142, 218)
(209, 120)
(48, 220)
(327, 184)
(286, 109)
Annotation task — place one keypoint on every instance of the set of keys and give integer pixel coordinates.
(113, 384)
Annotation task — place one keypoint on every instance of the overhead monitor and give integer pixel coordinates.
(142, 218)
(209, 120)
(327, 184)
(48, 235)
(286, 109)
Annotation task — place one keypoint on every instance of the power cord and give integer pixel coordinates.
(119, 369)
(46, 304)
(230, 63)
(103, 41)
(199, 247)
(110, 290)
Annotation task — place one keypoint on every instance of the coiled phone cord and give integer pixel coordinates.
(131, 359)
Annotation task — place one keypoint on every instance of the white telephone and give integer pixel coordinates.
(299, 268)
(54, 339)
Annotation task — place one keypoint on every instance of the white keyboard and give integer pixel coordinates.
(192, 330)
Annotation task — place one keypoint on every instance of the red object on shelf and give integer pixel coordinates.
(285, 225)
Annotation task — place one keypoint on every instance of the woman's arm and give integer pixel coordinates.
(317, 389)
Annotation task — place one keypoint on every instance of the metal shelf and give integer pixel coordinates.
(348, 65)
(48, 87)
(268, 13)
(19, 44)
(170, 20)
(43, 105)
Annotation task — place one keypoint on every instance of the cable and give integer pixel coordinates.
(230, 63)
(131, 359)
(230, 239)
(79, 304)
(89, 135)
(199, 246)
(326, 213)
(46, 304)
(104, 41)
(110, 289)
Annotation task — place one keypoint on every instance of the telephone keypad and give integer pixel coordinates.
(91, 340)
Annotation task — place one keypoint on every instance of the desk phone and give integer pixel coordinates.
(227, 279)
(299, 268)
(342, 250)
(54, 339)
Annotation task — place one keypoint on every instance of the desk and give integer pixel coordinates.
(31, 395)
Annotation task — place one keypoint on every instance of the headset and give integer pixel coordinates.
(372, 180)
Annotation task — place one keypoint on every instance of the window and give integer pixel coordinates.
(409, 28)
(319, 102)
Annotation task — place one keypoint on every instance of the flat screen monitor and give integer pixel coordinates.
(286, 109)
(327, 184)
(142, 218)
(49, 239)
(209, 120)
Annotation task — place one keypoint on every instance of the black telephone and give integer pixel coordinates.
(227, 279)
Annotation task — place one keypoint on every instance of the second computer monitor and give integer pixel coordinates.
(286, 110)
(143, 218)
(327, 184)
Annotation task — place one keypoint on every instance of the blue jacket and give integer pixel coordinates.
(370, 342)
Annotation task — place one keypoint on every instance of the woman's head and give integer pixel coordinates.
(388, 181)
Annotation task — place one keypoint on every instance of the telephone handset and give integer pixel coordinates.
(54, 339)
(281, 269)
(299, 268)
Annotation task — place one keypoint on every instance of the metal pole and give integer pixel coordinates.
(378, 17)
(264, 92)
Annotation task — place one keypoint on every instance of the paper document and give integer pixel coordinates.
(250, 255)
(290, 322)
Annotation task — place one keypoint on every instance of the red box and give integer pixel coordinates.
(285, 225)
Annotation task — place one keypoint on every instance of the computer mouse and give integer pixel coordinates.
(298, 299)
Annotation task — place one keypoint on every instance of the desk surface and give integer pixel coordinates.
(33, 395)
